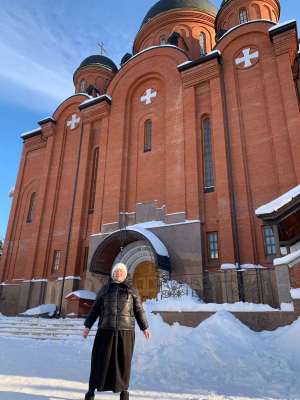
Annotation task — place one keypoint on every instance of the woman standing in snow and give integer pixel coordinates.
(117, 304)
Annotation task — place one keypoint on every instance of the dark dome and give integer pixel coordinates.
(99, 60)
(167, 5)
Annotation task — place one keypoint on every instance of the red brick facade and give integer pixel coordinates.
(253, 108)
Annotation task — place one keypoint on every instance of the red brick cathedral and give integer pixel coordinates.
(163, 162)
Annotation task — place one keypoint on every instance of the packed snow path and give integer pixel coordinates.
(220, 359)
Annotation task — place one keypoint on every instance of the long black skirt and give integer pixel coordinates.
(111, 360)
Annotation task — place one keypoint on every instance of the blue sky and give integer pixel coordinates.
(42, 42)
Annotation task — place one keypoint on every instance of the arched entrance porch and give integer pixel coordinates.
(144, 254)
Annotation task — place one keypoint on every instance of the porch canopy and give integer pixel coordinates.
(284, 214)
(108, 248)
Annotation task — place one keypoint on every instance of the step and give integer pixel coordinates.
(42, 337)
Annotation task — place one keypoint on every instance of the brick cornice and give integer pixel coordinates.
(285, 41)
(48, 126)
(95, 110)
(201, 73)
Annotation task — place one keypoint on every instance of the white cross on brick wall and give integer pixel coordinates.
(247, 57)
(148, 96)
(74, 121)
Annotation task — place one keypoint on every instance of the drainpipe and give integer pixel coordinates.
(233, 211)
(71, 221)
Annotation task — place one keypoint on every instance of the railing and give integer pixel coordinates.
(226, 286)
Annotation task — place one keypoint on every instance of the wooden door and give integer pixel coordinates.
(146, 280)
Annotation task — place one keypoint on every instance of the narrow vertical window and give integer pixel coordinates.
(202, 43)
(94, 180)
(207, 152)
(148, 135)
(31, 208)
(56, 260)
(162, 40)
(243, 15)
(85, 258)
(213, 246)
(269, 241)
(82, 86)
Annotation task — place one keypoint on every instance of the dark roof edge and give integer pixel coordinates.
(27, 135)
(94, 101)
(283, 28)
(234, 28)
(46, 120)
(216, 54)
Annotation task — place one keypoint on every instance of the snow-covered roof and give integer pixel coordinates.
(157, 244)
(290, 259)
(211, 53)
(161, 46)
(279, 202)
(95, 100)
(253, 21)
(30, 133)
(82, 294)
(282, 24)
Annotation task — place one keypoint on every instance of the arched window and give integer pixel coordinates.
(162, 40)
(31, 208)
(94, 180)
(148, 135)
(243, 15)
(82, 86)
(268, 13)
(209, 183)
(202, 43)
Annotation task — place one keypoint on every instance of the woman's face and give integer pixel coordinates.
(119, 274)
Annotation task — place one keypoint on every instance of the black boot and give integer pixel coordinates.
(90, 395)
(124, 395)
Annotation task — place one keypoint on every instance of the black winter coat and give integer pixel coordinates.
(117, 305)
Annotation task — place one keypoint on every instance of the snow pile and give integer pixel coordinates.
(295, 293)
(82, 294)
(221, 356)
(188, 304)
(181, 303)
(43, 309)
(186, 299)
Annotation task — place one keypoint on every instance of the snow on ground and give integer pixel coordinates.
(42, 309)
(219, 359)
(295, 293)
(189, 304)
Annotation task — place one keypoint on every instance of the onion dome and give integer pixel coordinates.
(94, 74)
(168, 5)
(98, 60)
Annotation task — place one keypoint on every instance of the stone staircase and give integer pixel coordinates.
(43, 328)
